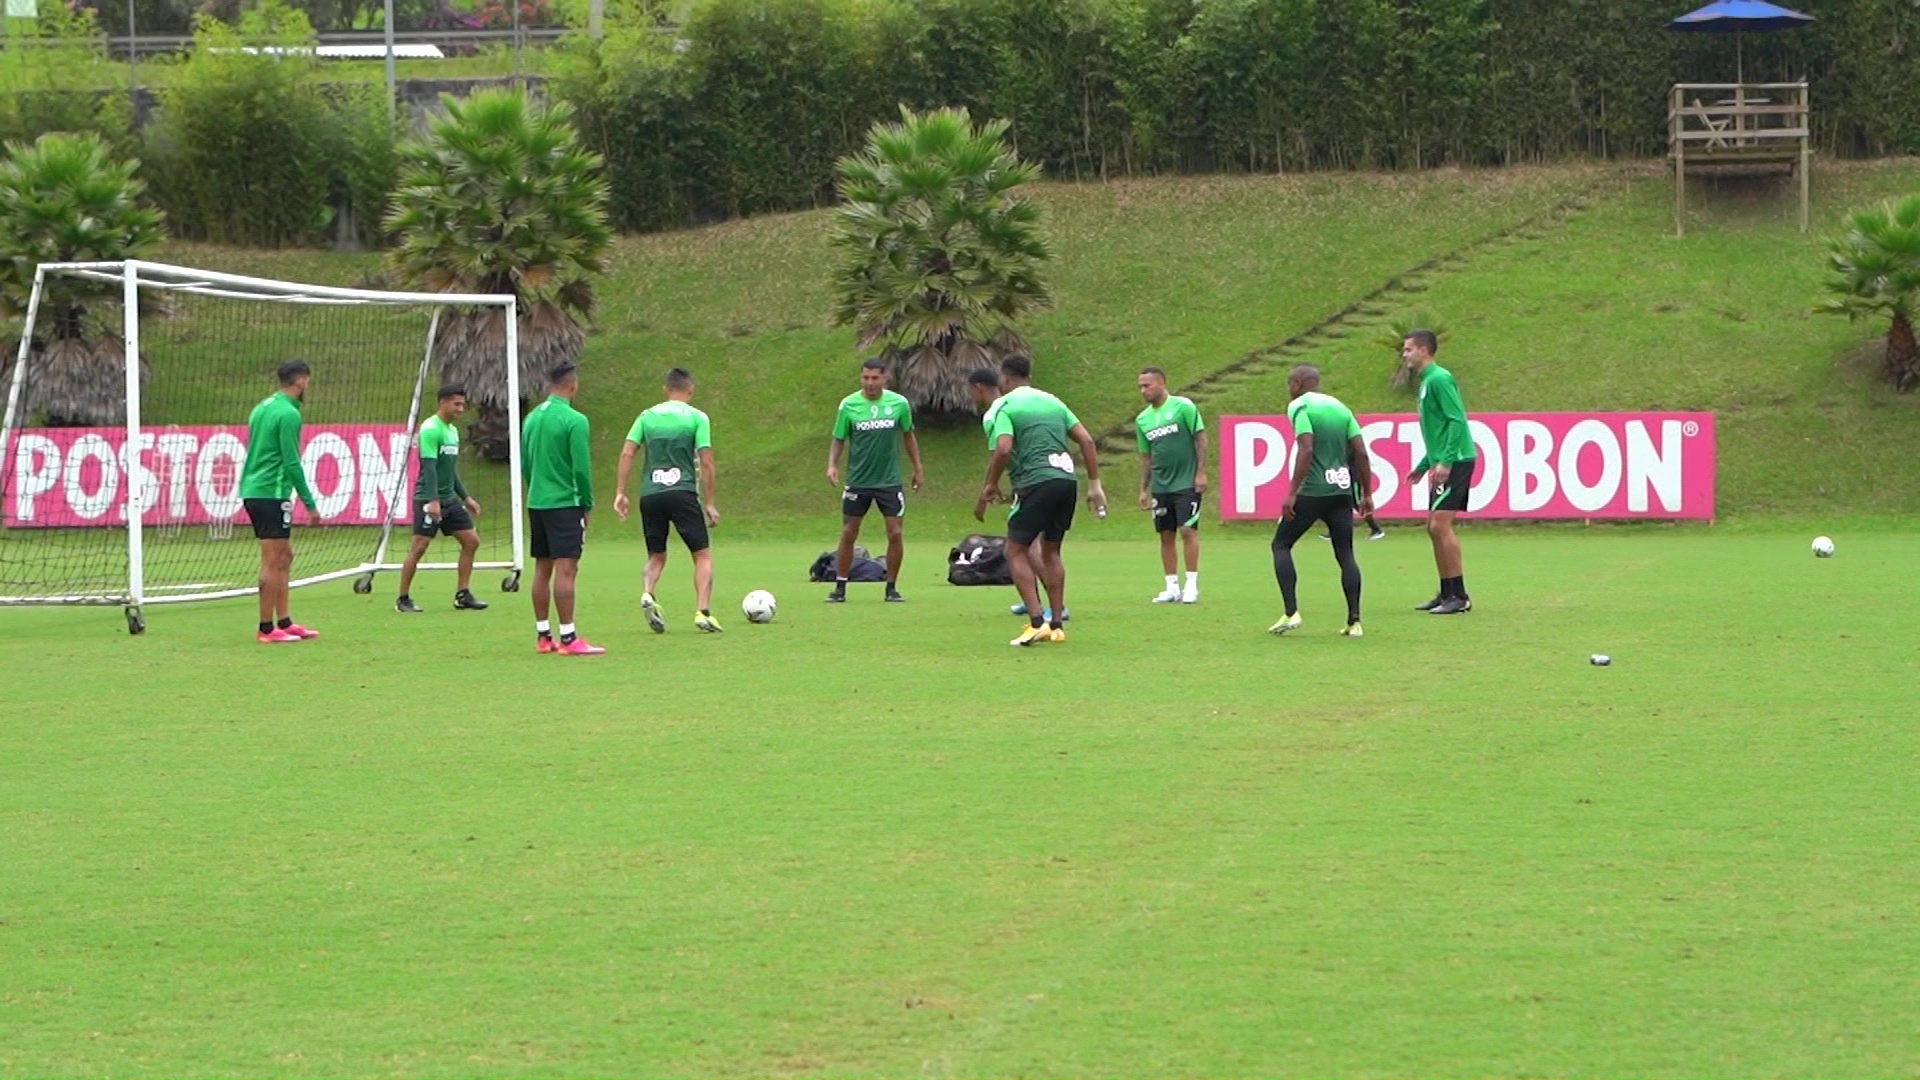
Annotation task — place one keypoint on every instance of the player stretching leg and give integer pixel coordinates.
(678, 439)
(1451, 460)
(875, 424)
(556, 465)
(435, 510)
(1173, 477)
(1330, 465)
(1031, 430)
(272, 474)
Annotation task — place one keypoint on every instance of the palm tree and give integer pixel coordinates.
(1876, 274)
(63, 198)
(500, 198)
(938, 255)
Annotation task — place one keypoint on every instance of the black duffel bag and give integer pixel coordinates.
(979, 560)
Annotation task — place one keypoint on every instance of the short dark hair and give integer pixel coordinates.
(984, 376)
(561, 372)
(679, 379)
(1425, 339)
(451, 391)
(1155, 372)
(1017, 365)
(292, 370)
(875, 364)
(1305, 373)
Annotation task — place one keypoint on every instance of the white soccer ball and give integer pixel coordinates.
(1823, 547)
(759, 606)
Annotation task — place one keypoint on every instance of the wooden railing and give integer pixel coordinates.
(1734, 124)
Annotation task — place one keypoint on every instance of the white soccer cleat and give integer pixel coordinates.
(1171, 596)
(1190, 596)
(1286, 625)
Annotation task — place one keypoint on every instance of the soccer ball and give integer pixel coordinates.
(1823, 547)
(759, 606)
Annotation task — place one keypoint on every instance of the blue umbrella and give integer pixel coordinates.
(1738, 17)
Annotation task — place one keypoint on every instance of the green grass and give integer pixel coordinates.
(876, 840)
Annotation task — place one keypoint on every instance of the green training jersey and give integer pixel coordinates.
(872, 431)
(439, 444)
(673, 434)
(1331, 424)
(1443, 419)
(1169, 433)
(273, 466)
(556, 457)
(1039, 423)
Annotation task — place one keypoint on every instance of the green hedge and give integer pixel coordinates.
(746, 108)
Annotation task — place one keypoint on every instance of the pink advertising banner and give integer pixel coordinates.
(67, 477)
(1530, 465)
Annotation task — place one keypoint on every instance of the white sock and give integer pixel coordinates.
(1193, 579)
(1173, 582)
(541, 626)
(566, 629)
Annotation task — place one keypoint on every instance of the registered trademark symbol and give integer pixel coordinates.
(1690, 429)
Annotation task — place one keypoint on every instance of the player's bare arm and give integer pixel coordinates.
(707, 488)
(1146, 477)
(996, 465)
(621, 505)
(912, 444)
(1302, 464)
(1362, 467)
(833, 462)
(1096, 494)
(1199, 463)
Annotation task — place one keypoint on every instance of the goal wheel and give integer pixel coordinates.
(136, 622)
(511, 583)
(363, 584)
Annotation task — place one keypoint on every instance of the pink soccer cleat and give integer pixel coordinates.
(547, 645)
(579, 647)
(276, 637)
(301, 632)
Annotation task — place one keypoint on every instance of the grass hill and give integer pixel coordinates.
(1562, 288)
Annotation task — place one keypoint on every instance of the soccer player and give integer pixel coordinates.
(1331, 473)
(678, 439)
(1031, 430)
(1173, 477)
(435, 509)
(273, 473)
(1450, 460)
(556, 465)
(872, 425)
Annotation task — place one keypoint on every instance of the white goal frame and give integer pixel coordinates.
(131, 275)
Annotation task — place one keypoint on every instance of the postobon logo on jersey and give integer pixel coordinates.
(666, 477)
(875, 425)
(1163, 431)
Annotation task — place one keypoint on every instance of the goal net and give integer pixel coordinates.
(125, 431)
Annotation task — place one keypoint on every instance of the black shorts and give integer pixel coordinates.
(1310, 510)
(1176, 510)
(559, 533)
(272, 518)
(1459, 484)
(855, 502)
(1043, 510)
(680, 509)
(453, 519)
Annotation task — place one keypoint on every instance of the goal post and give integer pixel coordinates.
(124, 431)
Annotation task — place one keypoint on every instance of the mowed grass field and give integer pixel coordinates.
(876, 840)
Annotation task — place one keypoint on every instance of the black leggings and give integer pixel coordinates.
(1308, 510)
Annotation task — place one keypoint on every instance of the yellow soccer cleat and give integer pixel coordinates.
(1033, 635)
(1353, 630)
(1057, 635)
(706, 624)
(1286, 625)
(656, 619)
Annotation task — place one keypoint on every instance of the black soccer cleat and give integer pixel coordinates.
(464, 600)
(837, 596)
(406, 606)
(1452, 605)
(894, 597)
(1431, 604)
